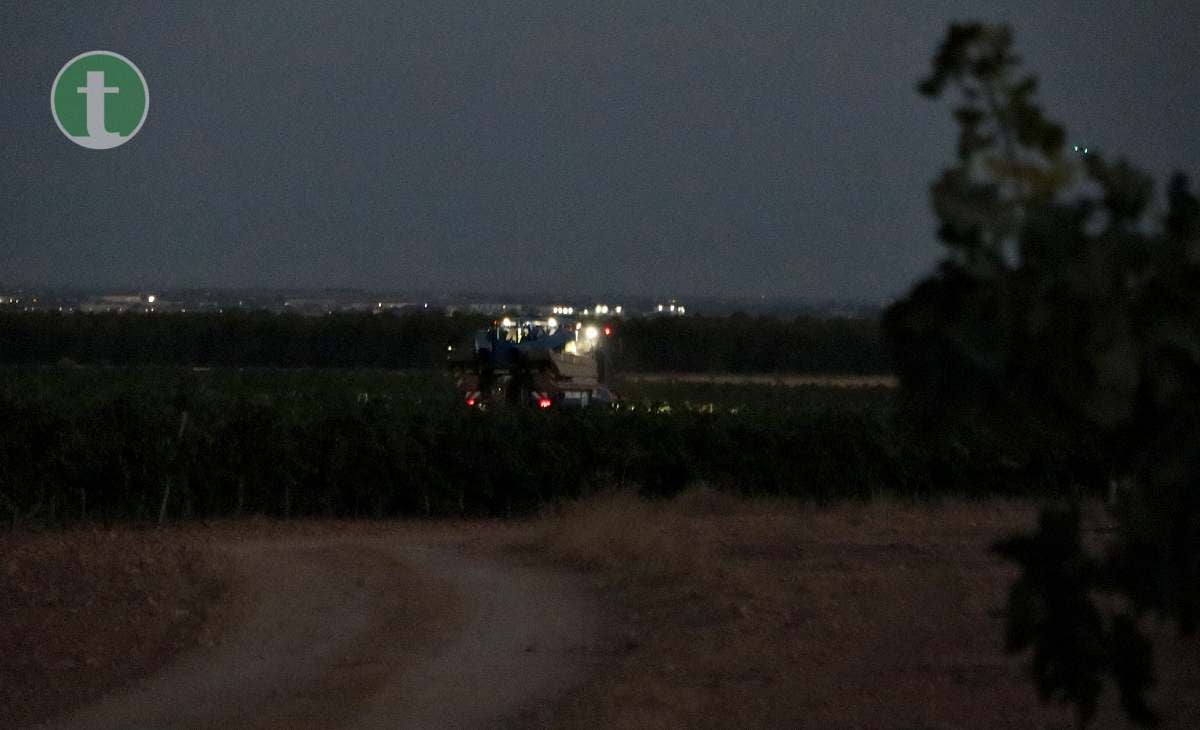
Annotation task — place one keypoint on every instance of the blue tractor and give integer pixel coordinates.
(535, 363)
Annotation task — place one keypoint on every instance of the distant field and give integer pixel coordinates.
(763, 394)
(793, 379)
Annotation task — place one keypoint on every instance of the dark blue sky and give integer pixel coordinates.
(657, 148)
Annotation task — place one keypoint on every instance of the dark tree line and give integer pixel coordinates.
(1064, 305)
(418, 340)
(743, 344)
(236, 339)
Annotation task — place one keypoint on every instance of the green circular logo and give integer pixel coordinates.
(99, 100)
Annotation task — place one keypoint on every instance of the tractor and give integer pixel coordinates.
(535, 363)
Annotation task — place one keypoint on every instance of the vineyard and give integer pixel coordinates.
(143, 444)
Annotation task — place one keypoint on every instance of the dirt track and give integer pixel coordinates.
(371, 633)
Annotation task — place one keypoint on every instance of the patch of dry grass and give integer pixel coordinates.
(618, 532)
(774, 614)
(83, 611)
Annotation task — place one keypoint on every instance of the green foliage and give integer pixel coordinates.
(103, 443)
(1052, 610)
(1061, 310)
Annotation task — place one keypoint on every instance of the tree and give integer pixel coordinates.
(1060, 305)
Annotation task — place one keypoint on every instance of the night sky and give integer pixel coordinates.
(652, 148)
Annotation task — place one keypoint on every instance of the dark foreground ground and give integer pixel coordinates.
(705, 611)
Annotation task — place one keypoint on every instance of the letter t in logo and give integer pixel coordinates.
(99, 100)
(95, 92)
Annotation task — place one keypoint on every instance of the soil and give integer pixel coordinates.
(85, 611)
(705, 611)
(772, 613)
(369, 632)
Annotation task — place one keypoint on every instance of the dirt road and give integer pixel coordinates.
(372, 633)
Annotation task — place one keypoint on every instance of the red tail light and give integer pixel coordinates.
(470, 402)
(544, 403)
(607, 331)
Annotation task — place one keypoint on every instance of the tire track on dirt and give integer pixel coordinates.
(371, 633)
